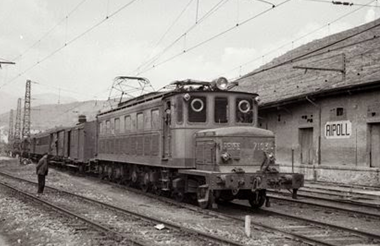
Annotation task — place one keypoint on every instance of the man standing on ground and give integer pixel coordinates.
(42, 170)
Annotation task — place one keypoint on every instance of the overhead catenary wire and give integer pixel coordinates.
(166, 32)
(69, 42)
(299, 38)
(209, 13)
(214, 37)
(64, 19)
(307, 54)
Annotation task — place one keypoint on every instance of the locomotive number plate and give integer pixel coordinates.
(262, 146)
(231, 146)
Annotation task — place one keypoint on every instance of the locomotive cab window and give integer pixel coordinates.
(155, 119)
(244, 113)
(179, 109)
(197, 109)
(221, 110)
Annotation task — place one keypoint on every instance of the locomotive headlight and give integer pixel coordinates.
(221, 83)
(197, 105)
(244, 106)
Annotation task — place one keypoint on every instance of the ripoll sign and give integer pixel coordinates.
(338, 129)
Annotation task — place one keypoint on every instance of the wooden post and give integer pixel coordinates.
(248, 226)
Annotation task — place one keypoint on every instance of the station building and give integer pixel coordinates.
(322, 101)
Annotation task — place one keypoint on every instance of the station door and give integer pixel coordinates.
(306, 143)
(375, 145)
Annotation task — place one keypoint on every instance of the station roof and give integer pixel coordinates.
(348, 60)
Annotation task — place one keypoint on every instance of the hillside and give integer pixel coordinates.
(8, 101)
(48, 116)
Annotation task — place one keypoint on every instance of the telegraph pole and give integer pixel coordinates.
(10, 133)
(25, 140)
(26, 119)
(10, 130)
(17, 135)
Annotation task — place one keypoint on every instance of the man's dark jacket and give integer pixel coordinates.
(42, 166)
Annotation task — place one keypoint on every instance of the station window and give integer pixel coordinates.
(221, 110)
(155, 119)
(197, 109)
(339, 111)
(244, 113)
(140, 121)
(127, 123)
(117, 125)
(179, 110)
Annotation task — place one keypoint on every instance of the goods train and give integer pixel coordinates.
(196, 140)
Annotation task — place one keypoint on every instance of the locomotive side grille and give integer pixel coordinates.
(205, 155)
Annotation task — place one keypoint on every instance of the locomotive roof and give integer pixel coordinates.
(176, 87)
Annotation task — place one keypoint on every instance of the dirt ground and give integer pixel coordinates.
(93, 188)
(3, 242)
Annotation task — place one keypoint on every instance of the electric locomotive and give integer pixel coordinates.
(195, 140)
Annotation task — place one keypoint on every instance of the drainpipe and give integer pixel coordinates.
(320, 127)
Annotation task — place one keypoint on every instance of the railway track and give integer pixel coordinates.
(310, 229)
(328, 203)
(124, 220)
(292, 227)
(351, 198)
(100, 234)
(302, 229)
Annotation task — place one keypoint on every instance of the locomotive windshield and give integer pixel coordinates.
(221, 110)
(244, 112)
(197, 109)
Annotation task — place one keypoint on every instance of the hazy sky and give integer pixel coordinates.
(34, 34)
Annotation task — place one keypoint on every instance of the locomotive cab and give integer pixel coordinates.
(230, 157)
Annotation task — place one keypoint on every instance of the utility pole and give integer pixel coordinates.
(26, 119)
(25, 140)
(10, 132)
(17, 135)
(6, 62)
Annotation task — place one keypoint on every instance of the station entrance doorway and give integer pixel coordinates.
(374, 142)
(306, 144)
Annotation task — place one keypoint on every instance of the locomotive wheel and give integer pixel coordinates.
(202, 202)
(145, 183)
(257, 199)
(157, 190)
(101, 171)
(225, 196)
(179, 196)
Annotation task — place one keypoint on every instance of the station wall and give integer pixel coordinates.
(334, 139)
(322, 100)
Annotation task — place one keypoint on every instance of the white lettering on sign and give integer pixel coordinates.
(338, 129)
